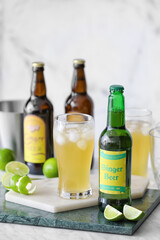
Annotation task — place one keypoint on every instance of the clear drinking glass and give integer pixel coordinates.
(155, 153)
(73, 145)
(138, 122)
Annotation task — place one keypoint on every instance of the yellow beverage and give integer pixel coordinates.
(73, 149)
(141, 146)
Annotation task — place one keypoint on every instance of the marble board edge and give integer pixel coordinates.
(148, 212)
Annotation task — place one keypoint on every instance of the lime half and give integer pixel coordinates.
(25, 185)
(6, 179)
(17, 168)
(112, 214)
(132, 214)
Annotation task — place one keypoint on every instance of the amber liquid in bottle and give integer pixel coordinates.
(79, 101)
(38, 123)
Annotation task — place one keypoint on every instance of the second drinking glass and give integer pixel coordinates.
(74, 143)
(139, 123)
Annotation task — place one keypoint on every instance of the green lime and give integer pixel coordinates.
(112, 214)
(17, 168)
(25, 186)
(13, 182)
(6, 156)
(50, 169)
(6, 180)
(18, 184)
(132, 213)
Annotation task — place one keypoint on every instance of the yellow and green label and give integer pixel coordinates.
(34, 139)
(112, 172)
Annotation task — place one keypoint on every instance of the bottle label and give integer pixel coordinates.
(112, 172)
(34, 139)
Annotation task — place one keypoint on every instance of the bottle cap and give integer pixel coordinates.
(119, 88)
(38, 64)
(79, 61)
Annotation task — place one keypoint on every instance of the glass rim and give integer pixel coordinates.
(90, 118)
(141, 112)
(152, 134)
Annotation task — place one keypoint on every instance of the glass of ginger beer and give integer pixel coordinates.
(73, 144)
(138, 122)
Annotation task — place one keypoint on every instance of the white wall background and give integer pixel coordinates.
(119, 39)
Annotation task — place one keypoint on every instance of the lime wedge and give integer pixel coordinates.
(112, 214)
(25, 186)
(17, 168)
(132, 214)
(6, 178)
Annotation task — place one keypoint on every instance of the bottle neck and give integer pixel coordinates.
(38, 87)
(79, 81)
(116, 113)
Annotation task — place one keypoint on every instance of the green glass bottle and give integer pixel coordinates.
(115, 147)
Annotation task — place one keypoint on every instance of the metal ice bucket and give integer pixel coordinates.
(11, 127)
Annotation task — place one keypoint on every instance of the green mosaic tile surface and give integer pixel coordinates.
(88, 219)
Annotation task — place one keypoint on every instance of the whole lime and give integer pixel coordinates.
(6, 156)
(50, 169)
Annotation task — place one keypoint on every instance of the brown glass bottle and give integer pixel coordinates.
(38, 123)
(79, 101)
